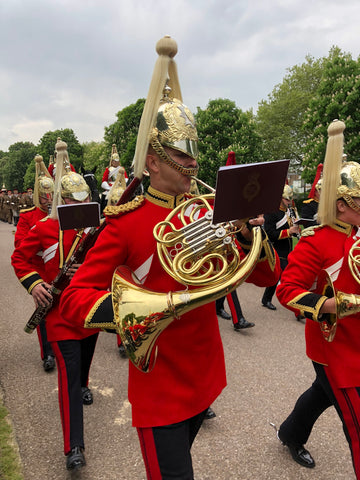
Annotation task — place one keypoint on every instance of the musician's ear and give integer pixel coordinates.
(152, 162)
(341, 205)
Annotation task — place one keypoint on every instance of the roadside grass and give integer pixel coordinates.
(10, 465)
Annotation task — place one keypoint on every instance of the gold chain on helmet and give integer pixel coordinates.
(156, 145)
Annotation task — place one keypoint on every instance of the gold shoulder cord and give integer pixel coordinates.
(113, 210)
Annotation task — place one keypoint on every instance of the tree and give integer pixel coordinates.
(337, 97)
(280, 118)
(223, 127)
(123, 133)
(95, 156)
(15, 163)
(46, 146)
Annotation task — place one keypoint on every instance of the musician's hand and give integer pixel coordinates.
(294, 230)
(259, 220)
(73, 269)
(329, 306)
(41, 296)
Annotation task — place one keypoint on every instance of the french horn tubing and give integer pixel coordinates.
(196, 253)
(346, 304)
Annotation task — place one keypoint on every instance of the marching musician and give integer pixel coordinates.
(310, 206)
(42, 197)
(332, 341)
(110, 174)
(73, 345)
(169, 402)
(280, 228)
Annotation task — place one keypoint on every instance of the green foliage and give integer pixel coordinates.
(223, 127)
(280, 118)
(14, 164)
(123, 133)
(95, 157)
(46, 146)
(337, 97)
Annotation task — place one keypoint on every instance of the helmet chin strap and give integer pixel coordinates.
(156, 145)
(350, 203)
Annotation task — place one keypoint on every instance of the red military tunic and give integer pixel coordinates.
(28, 218)
(56, 246)
(325, 248)
(189, 372)
(110, 174)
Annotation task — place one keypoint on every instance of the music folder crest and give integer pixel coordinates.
(79, 215)
(244, 191)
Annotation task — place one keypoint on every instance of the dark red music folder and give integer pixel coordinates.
(79, 215)
(244, 191)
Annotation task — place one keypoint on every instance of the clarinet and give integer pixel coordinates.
(292, 216)
(62, 280)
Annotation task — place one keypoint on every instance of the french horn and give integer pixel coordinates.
(196, 253)
(346, 304)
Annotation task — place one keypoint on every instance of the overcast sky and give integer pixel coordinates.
(76, 63)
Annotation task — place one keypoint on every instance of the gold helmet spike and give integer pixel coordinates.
(331, 173)
(43, 185)
(164, 115)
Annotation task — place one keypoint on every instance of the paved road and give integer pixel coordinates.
(267, 370)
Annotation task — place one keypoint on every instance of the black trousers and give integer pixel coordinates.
(269, 291)
(166, 450)
(45, 347)
(310, 405)
(73, 359)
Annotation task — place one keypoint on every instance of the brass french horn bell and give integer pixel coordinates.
(193, 251)
(346, 304)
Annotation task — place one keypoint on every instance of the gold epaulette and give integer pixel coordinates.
(310, 231)
(115, 210)
(309, 200)
(23, 210)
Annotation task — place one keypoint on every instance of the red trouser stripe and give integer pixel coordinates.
(232, 308)
(149, 454)
(348, 400)
(63, 398)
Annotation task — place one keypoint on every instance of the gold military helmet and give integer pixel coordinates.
(68, 184)
(166, 121)
(114, 155)
(46, 186)
(43, 185)
(74, 186)
(287, 192)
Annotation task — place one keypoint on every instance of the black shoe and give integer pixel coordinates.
(210, 413)
(49, 363)
(75, 459)
(269, 305)
(223, 314)
(299, 453)
(242, 323)
(122, 352)
(87, 396)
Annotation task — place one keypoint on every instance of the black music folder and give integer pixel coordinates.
(79, 215)
(244, 191)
